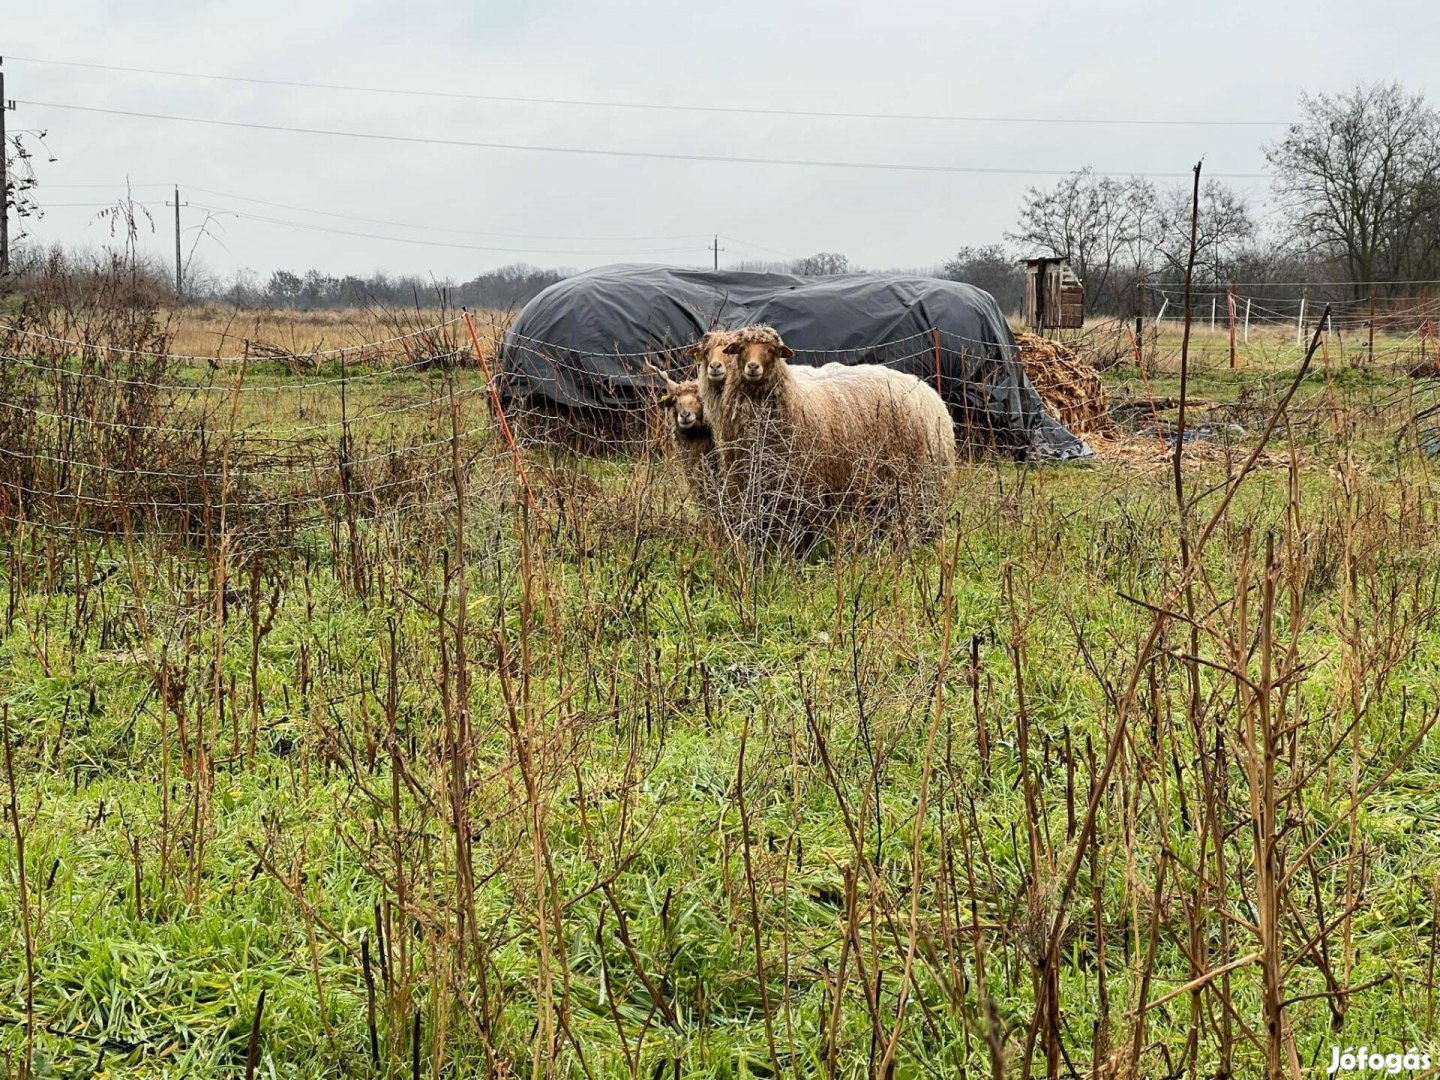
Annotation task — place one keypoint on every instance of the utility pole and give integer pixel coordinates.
(5, 103)
(179, 278)
(715, 248)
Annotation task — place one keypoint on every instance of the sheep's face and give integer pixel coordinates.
(687, 410)
(756, 361)
(711, 358)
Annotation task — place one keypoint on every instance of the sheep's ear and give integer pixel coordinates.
(733, 349)
(701, 346)
(786, 352)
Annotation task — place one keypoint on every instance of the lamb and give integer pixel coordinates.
(693, 440)
(808, 448)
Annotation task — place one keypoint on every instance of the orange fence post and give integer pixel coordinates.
(499, 410)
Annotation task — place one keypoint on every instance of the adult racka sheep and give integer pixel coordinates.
(810, 448)
(712, 367)
(715, 369)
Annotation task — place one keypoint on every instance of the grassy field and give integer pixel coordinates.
(1104, 781)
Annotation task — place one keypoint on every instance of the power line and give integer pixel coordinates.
(93, 205)
(408, 225)
(403, 225)
(116, 184)
(758, 247)
(645, 154)
(740, 110)
(433, 243)
(403, 239)
(447, 229)
(441, 228)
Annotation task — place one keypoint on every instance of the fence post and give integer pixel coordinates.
(1247, 320)
(1300, 322)
(1230, 315)
(1139, 322)
(1212, 312)
(935, 345)
(499, 410)
(1371, 349)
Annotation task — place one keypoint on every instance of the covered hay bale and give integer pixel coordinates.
(1071, 389)
(578, 351)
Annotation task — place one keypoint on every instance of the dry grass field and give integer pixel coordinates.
(210, 330)
(327, 753)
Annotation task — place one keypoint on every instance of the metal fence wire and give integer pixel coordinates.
(110, 440)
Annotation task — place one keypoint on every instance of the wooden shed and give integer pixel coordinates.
(1054, 295)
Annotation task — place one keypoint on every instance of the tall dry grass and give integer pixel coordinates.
(1118, 776)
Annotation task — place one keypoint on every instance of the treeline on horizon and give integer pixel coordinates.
(996, 268)
(1355, 185)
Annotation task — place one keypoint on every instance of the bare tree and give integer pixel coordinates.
(20, 179)
(1098, 223)
(1357, 175)
(1225, 223)
(991, 268)
(823, 264)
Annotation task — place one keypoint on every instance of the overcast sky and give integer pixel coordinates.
(484, 207)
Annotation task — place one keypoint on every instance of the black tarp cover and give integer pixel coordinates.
(580, 346)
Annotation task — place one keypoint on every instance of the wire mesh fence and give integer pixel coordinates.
(106, 437)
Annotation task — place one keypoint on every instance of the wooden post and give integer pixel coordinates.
(1371, 349)
(4, 188)
(179, 273)
(1212, 312)
(1247, 320)
(1150, 397)
(1230, 315)
(499, 410)
(1139, 322)
(1300, 322)
(1427, 329)
(935, 345)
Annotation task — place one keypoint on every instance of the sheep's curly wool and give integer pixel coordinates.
(759, 334)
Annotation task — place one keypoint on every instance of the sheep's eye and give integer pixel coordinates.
(733, 349)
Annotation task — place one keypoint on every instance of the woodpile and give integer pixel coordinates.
(1071, 389)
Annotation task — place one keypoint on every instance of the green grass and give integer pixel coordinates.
(638, 657)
